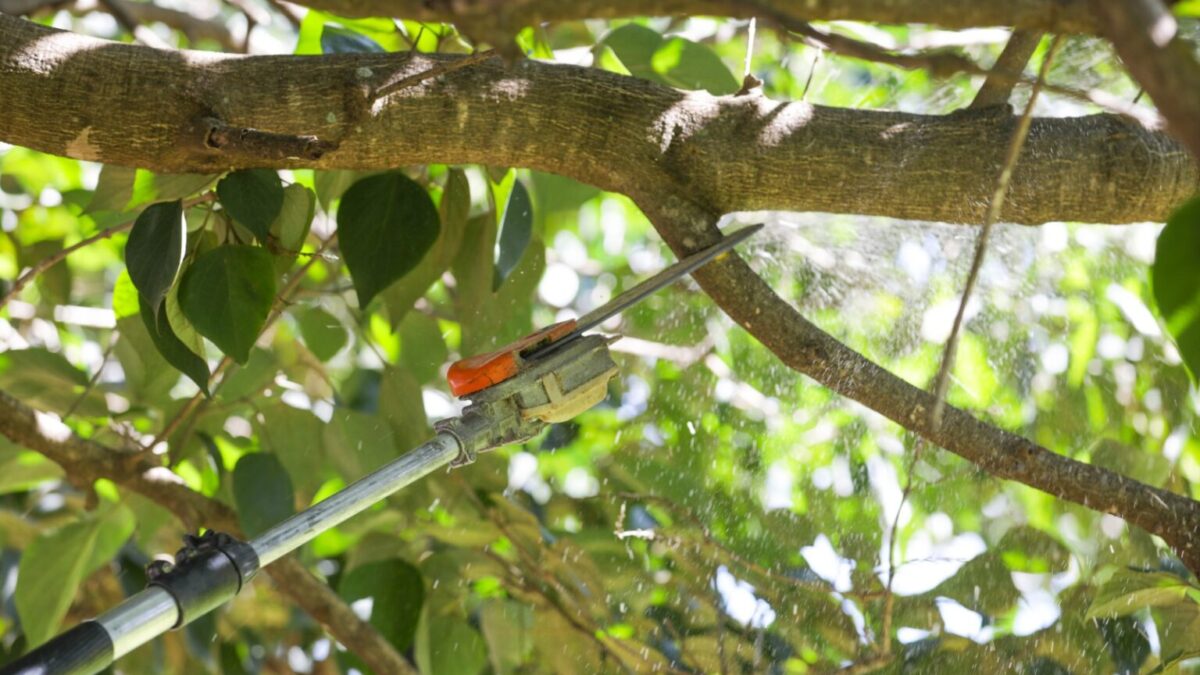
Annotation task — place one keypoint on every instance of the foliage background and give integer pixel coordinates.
(715, 513)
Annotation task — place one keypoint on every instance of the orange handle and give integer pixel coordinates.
(480, 372)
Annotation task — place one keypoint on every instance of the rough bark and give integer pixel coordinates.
(124, 104)
(86, 461)
(1147, 39)
(807, 349)
(1062, 16)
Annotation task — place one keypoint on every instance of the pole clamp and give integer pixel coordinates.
(209, 570)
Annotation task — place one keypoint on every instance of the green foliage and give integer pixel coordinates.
(57, 562)
(386, 224)
(226, 294)
(154, 251)
(395, 593)
(516, 229)
(253, 197)
(179, 355)
(1176, 281)
(675, 62)
(262, 492)
(323, 333)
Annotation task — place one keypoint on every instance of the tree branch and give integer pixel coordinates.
(996, 89)
(731, 153)
(86, 461)
(807, 349)
(1061, 16)
(1147, 39)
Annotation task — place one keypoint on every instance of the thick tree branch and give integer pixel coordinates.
(1060, 16)
(86, 461)
(618, 133)
(809, 350)
(1147, 39)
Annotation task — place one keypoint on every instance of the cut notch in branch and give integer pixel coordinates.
(249, 142)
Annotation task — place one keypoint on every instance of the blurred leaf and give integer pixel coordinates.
(227, 294)
(422, 349)
(323, 333)
(254, 197)
(386, 224)
(455, 207)
(1030, 550)
(1175, 278)
(335, 40)
(294, 220)
(124, 296)
(507, 627)
(1178, 627)
(45, 380)
(114, 189)
(675, 62)
(394, 593)
(250, 378)
(148, 376)
(331, 185)
(358, 442)
(515, 232)
(294, 436)
(154, 250)
(173, 350)
(447, 644)
(402, 405)
(984, 584)
(165, 187)
(262, 492)
(54, 283)
(22, 470)
(57, 562)
(1128, 591)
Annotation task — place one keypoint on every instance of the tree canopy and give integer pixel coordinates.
(937, 415)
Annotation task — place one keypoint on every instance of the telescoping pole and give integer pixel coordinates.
(212, 569)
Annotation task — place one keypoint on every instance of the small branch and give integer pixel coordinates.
(245, 142)
(52, 260)
(941, 382)
(998, 86)
(112, 343)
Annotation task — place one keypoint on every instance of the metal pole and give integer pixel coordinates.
(93, 645)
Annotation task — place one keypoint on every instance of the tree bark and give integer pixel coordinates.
(123, 104)
(1059, 16)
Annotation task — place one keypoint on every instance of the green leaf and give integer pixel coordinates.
(422, 349)
(1175, 278)
(227, 294)
(114, 189)
(507, 627)
(54, 565)
(173, 349)
(262, 492)
(45, 380)
(250, 378)
(1178, 626)
(395, 593)
(331, 185)
(294, 437)
(1187, 8)
(335, 40)
(386, 224)
(295, 218)
(125, 296)
(154, 250)
(183, 329)
(1128, 591)
(675, 62)
(323, 333)
(22, 470)
(54, 284)
(254, 197)
(164, 187)
(402, 405)
(448, 644)
(455, 208)
(148, 376)
(516, 230)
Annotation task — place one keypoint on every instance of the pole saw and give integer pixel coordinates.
(547, 377)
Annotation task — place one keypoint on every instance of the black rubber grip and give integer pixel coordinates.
(83, 650)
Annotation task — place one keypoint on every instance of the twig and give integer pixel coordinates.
(1011, 62)
(993, 214)
(112, 342)
(50, 261)
(441, 68)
